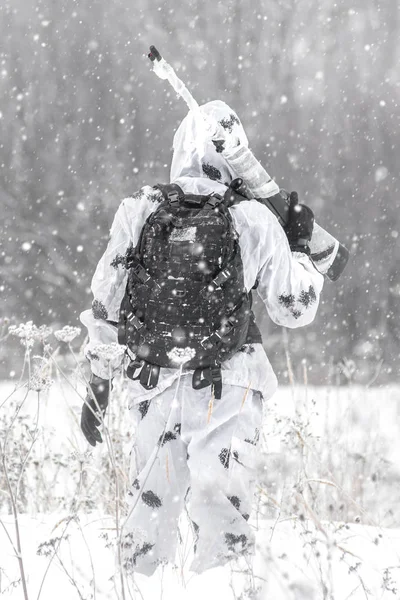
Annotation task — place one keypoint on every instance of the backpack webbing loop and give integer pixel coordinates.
(149, 376)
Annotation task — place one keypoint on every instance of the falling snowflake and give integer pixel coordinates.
(381, 174)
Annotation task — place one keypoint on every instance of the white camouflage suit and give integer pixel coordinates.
(188, 452)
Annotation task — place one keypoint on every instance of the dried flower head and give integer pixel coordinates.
(43, 332)
(67, 334)
(23, 330)
(109, 352)
(28, 333)
(180, 356)
(40, 379)
(81, 457)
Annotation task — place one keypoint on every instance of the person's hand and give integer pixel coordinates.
(90, 417)
(300, 225)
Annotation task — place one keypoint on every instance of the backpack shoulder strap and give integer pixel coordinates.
(172, 193)
(174, 196)
(235, 193)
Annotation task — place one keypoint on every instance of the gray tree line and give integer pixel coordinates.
(85, 123)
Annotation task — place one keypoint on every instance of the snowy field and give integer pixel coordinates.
(326, 508)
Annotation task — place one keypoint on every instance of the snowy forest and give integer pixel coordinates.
(84, 123)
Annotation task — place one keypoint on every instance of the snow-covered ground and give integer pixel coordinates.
(298, 561)
(326, 508)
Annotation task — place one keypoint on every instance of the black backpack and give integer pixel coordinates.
(185, 301)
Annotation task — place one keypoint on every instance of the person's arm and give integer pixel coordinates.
(288, 282)
(110, 277)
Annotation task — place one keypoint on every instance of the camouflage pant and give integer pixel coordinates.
(190, 450)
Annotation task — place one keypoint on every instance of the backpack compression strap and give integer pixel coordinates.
(205, 376)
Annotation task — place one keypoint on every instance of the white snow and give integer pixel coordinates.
(310, 439)
(381, 174)
(296, 560)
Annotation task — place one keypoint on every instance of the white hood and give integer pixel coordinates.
(196, 165)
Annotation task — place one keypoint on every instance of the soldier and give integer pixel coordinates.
(174, 288)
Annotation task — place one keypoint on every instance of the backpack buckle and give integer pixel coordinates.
(179, 293)
(217, 336)
(221, 278)
(227, 327)
(143, 276)
(132, 318)
(140, 273)
(173, 197)
(213, 202)
(210, 340)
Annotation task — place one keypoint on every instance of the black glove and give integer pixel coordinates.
(90, 422)
(300, 225)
